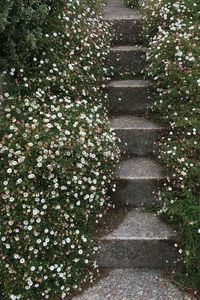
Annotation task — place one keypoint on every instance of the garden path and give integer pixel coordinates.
(136, 246)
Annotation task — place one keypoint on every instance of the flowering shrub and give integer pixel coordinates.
(57, 154)
(20, 21)
(173, 30)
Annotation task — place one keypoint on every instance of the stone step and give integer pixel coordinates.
(137, 134)
(127, 96)
(127, 59)
(133, 284)
(137, 178)
(139, 240)
(126, 23)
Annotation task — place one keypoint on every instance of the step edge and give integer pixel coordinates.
(138, 128)
(125, 84)
(128, 49)
(118, 177)
(124, 17)
(137, 238)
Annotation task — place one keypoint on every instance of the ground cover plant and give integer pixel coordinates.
(172, 31)
(57, 153)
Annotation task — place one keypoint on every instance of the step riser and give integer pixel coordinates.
(136, 254)
(138, 142)
(132, 99)
(136, 193)
(127, 61)
(127, 32)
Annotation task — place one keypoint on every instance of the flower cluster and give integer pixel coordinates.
(173, 31)
(58, 156)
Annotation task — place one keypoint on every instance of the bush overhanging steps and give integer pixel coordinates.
(133, 255)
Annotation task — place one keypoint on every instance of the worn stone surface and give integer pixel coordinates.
(126, 23)
(135, 239)
(133, 284)
(135, 192)
(137, 179)
(116, 9)
(137, 134)
(134, 224)
(140, 168)
(127, 96)
(136, 254)
(132, 238)
(127, 59)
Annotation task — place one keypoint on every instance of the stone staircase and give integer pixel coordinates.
(135, 244)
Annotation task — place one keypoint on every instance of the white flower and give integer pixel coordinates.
(70, 66)
(19, 181)
(35, 211)
(30, 176)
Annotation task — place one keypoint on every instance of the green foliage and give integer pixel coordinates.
(21, 26)
(173, 31)
(57, 152)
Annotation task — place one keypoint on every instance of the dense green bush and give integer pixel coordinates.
(173, 31)
(57, 153)
(21, 26)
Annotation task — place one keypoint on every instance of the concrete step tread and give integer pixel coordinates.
(133, 284)
(126, 23)
(127, 96)
(135, 224)
(138, 168)
(127, 59)
(129, 122)
(128, 83)
(128, 48)
(121, 14)
(117, 10)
